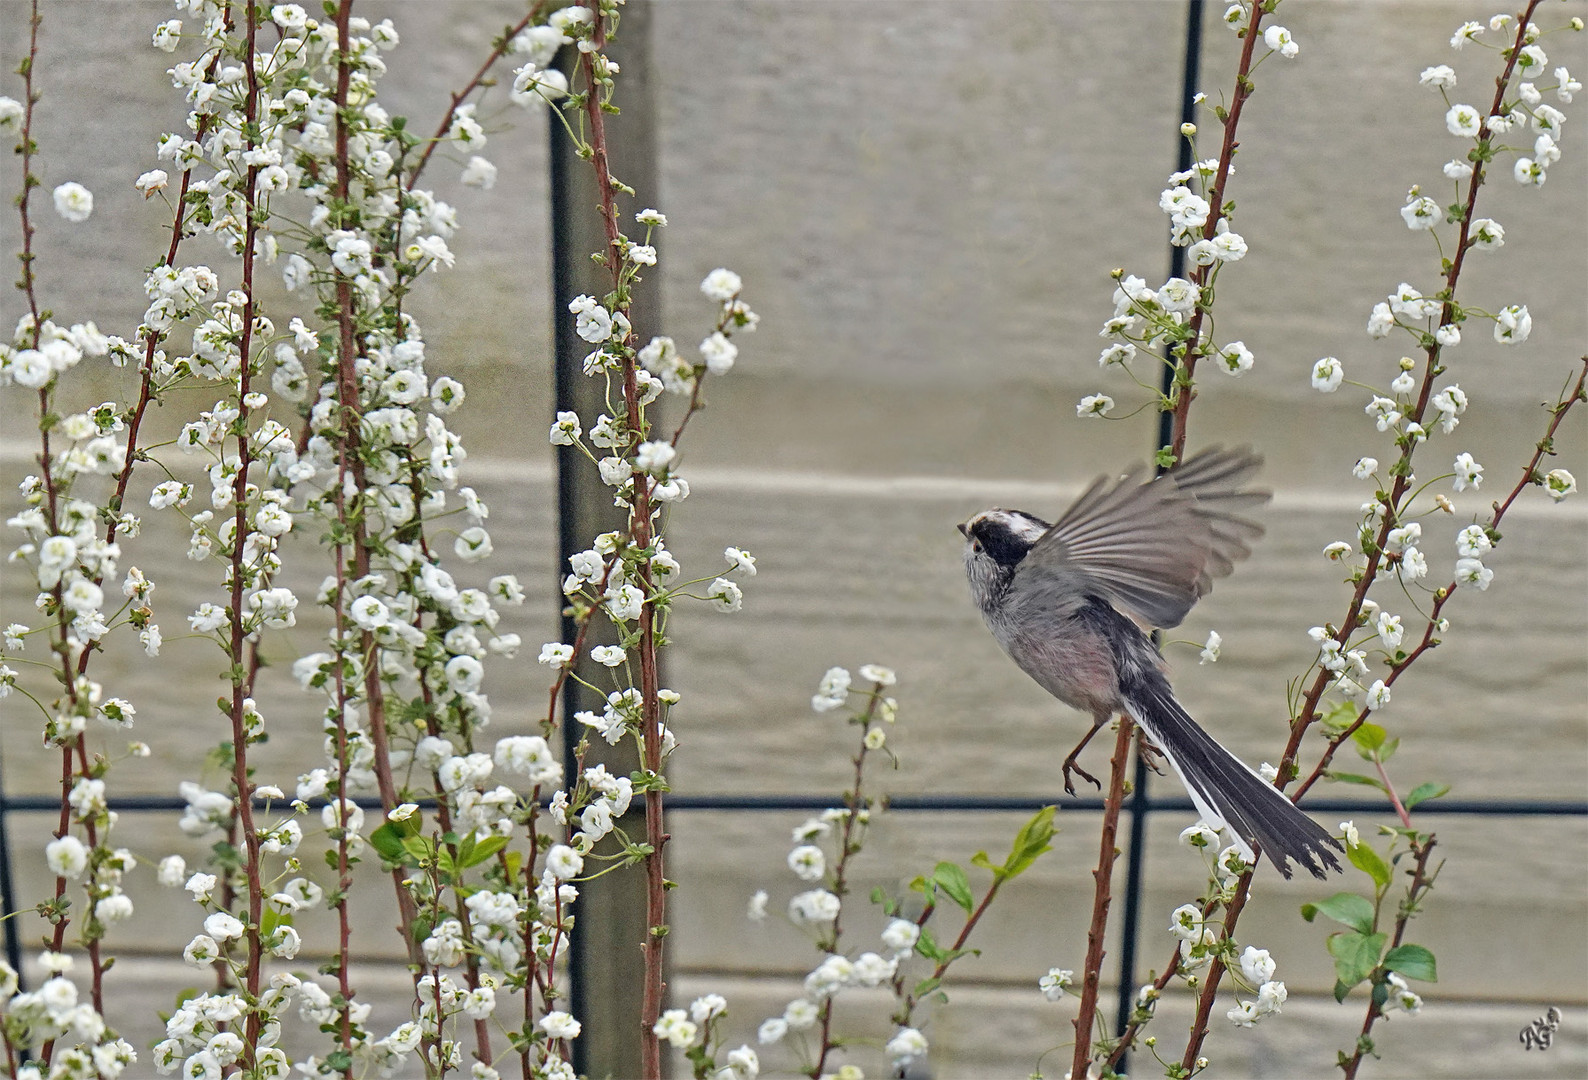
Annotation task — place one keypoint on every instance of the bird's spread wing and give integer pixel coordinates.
(1153, 547)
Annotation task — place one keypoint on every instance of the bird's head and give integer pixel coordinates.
(995, 542)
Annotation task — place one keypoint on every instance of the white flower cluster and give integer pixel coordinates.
(821, 845)
(1150, 319)
(1349, 666)
(1526, 110)
(1198, 941)
(698, 1030)
(54, 1013)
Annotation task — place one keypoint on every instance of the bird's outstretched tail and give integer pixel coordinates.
(1225, 790)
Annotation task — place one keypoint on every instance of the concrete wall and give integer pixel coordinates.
(925, 202)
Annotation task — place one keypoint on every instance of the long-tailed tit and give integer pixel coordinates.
(1068, 601)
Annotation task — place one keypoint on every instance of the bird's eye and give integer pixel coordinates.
(975, 545)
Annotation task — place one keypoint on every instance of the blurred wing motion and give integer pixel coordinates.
(1153, 547)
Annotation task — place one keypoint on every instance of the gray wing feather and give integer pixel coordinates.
(1153, 547)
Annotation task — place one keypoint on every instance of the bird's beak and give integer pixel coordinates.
(963, 531)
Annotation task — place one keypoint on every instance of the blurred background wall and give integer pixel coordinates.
(925, 201)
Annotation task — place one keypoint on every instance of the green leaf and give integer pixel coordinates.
(1412, 961)
(1357, 778)
(388, 841)
(1368, 738)
(1340, 990)
(1424, 792)
(1343, 907)
(954, 884)
(1030, 843)
(1367, 860)
(484, 850)
(928, 947)
(1356, 955)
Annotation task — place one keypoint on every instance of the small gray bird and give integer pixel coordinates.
(1068, 603)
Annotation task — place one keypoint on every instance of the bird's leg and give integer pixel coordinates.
(1070, 764)
(1150, 755)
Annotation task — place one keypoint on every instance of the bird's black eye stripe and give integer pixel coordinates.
(1000, 543)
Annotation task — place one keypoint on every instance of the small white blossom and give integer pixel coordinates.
(725, 595)
(1210, 652)
(1473, 572)
(1185, 922)
(1094, 405)
(1236, 358)
(1468, 472)
(74, 202)
(566, 431)
(564, 862)
(807, 862)
(719, 353)
(555, 654)
(1464, 120)
(1257, 965)
(1513, 324)
(1559, 483)
(1327, 374)
(1401, 996)
(721, 285)
(1421, 213)
(1053, 984)
(480, 173)
(559, 1025)
(906, 1045)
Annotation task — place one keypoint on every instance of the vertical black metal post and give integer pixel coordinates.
(8, 900)
(1137, 807)
(609, 915)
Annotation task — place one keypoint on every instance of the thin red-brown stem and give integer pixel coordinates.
(28, 286)
(1428, 641)
(1545, 445)
(907, 1010)
(640, 532)
(1307, 714)
(856, 801)
(242, 784)
(1185, 372)
(1103, 878)
(459, 97)
(533, 979)
(1184, 394)
(1420, 885)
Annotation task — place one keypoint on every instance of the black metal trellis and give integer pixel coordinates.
(1139, 807)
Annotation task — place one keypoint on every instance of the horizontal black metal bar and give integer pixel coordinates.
(988, 803)
(1015, 803)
